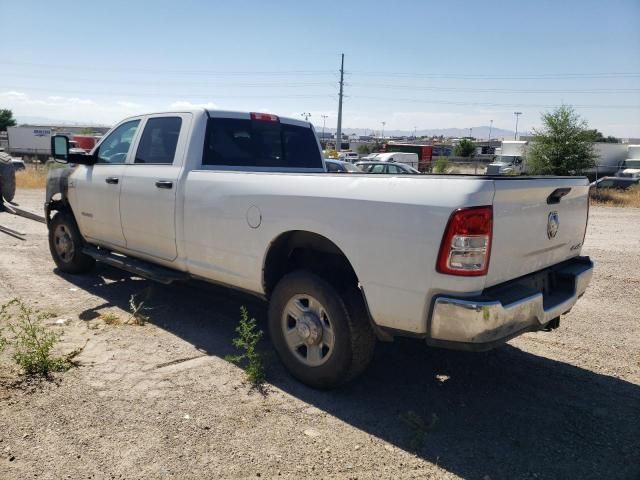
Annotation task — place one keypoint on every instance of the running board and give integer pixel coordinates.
(135, 266)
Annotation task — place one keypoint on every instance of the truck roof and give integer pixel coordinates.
(226, 114)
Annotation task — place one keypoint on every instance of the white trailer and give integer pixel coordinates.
(32, 142)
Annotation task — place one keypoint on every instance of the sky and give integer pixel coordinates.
(410, 64)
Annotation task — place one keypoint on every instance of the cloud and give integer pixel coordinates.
(126, 104)
(189, 105)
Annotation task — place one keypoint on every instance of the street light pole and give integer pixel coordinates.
(517, 114)
(306, 116)
(489, 143)
(324, 120)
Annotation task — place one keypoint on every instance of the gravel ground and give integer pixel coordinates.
(159, 400)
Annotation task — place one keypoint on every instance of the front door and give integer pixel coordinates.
(148, 196)
(95, 189)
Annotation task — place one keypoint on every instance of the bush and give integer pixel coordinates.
(246, 341)
(31, 341)
(441, 164)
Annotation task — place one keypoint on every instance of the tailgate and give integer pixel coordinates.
(530, 232)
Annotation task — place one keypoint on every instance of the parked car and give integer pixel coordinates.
(243, 200)
(18, 164)
(386, 167)
(410, 159)
(620, 183)
(338, 166)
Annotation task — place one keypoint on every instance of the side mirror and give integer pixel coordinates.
(60, 148)
(60, 152)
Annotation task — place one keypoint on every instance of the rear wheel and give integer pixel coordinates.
(323, 338)
(65, 244)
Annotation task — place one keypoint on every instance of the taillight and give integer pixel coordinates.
(264, 117)
(466, 244)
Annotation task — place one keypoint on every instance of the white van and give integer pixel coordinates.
(348, 156)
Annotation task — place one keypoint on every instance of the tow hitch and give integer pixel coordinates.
(12, 209)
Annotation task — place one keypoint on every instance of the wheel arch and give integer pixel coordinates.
(302, 249)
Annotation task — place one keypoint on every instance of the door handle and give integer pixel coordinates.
(111, 180)
(164, 184)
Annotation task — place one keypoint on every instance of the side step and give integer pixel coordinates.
(135, 266)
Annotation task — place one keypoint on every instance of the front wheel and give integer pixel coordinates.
(323, 338)
(65, 244)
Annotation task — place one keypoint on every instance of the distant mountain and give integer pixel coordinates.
(34, 120)
(481, 132)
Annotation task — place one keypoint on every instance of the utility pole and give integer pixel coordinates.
(339, 132)
(324, 120)
(489, 143)
(517, 114)
(471, 133)
(414, 132)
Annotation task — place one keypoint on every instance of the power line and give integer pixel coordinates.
(537, 76)
(496, 90)
(176, 72)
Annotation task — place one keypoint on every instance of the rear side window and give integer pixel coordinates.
(255, 143)
(159, 140)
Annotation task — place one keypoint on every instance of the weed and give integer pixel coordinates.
(31, 341)
(610, 197)
(441, 164)
(110, 318)
(137, 310)
(246, 341)
(419, 427)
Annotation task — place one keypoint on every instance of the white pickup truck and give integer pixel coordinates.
(243, 200)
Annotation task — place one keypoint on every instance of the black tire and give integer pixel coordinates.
(63, 227)
(353, 338)
(7, 181)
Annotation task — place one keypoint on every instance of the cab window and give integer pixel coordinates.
(159, 140)
(115, 147)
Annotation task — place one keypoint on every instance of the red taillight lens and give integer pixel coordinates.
(264, 117)
(466, 244)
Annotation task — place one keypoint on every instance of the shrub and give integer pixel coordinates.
(31, 341)
(248, 336)
(441, 165)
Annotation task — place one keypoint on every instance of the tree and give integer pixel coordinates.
(466, 148)
(364, 149)
(600, 138)
(564, 145)
(6, 119)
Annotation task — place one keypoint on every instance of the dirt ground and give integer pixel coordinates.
(159, 401)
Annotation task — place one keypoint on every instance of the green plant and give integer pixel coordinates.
(32, 342)
(137, 310)
(466, 148)
(564, 145)
(110, 318)
(246, 341)
(441, 164)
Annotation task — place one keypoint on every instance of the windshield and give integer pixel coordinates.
(632, 163)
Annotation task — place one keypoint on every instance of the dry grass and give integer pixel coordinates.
(31, 178)
(609, 197)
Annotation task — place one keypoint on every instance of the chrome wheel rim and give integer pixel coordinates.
(308, 331)
(63, 243)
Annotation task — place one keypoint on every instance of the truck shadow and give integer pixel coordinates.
(503, 414)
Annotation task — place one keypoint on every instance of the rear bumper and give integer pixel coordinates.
(505, 311)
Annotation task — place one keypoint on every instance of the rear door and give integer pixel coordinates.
(536, 223)
(148, 195)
